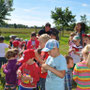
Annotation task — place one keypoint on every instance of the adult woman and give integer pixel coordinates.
(80, 29)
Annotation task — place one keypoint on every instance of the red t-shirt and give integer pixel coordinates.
(31, 70)
(30, 46)
(44, 56)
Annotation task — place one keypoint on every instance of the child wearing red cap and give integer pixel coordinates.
(28, 72)
(16, 44)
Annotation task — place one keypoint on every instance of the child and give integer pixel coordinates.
(12, 38)
(22, 45)
(76, 49)
(16, 44)
(81, 73)
(33, 43)
(71, 40)
(68, 76)
(84, 36)
(54, 36)
(55, 66)
(44, 55)
(28, 72)
(10, 69)
(3, 46)
(87, 39)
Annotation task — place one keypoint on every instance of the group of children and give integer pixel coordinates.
(79, 51)
(39, 65)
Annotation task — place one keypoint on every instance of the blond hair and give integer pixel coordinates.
(11, 53)
(86, 51)
(44, 38)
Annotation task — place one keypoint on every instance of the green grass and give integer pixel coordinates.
(6, 32)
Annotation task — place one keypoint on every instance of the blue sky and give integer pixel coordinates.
(38, 12)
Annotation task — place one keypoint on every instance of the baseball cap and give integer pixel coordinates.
(50, 44)
(76, 37)
(27, 54)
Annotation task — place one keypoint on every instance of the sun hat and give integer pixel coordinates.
(50, 44)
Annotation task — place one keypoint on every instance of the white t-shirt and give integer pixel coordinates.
(2, 49)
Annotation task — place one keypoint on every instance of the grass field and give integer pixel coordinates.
(25, 34)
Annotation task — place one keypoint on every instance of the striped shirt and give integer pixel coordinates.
(81, 75)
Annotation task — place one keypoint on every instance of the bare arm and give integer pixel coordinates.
(38, 58)
(59, 73)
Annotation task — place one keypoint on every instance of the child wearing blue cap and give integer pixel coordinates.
(55, 66)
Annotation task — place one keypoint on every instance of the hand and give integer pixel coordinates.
(4, 66)
(45, 66)
(43, 70)
(18, 72)
(17, 62)
(73, 49)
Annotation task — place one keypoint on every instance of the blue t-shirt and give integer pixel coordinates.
(53, 82)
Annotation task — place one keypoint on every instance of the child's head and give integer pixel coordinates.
(12, 37)
(87, 39)
(33, 35)
(69, 61)
(52, 47)
(54, 36)
(76, 40)
(1, 39)
(28, 54)
(86, 54)
(12, 53)
(43, 39)
(16, 43)
(72, 35)
(18, 39)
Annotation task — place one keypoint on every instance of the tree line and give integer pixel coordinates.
(63, 18)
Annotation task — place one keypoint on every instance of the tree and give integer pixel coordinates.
(62, 18)
(5, 9)
(83, 19)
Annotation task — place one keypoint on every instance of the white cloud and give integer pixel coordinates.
(84, 5)
(31, 9)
